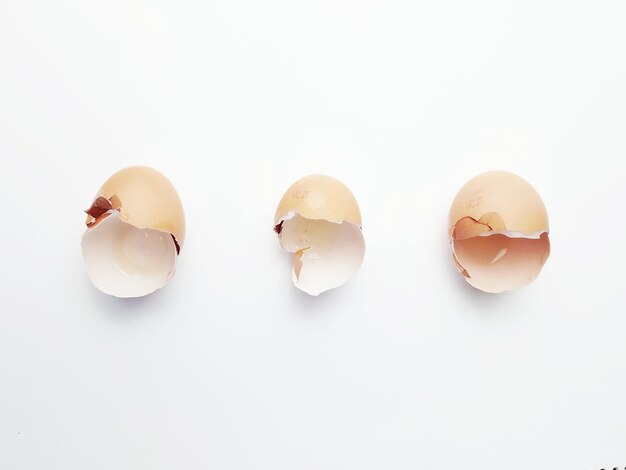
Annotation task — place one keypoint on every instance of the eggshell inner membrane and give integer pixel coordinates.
(326, 254)
(125, 261)
(497, 262)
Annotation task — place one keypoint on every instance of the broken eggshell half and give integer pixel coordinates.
(319, 221)
(135, 228)
(499, 232)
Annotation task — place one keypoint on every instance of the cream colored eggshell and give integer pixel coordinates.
(147, 200)
(320, 197)
(509, 196)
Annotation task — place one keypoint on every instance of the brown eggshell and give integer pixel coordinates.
(320, 197)
(499, 232)
(145, 199)
(319, 221)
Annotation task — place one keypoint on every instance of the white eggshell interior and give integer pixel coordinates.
(125, 261)
(326, 254)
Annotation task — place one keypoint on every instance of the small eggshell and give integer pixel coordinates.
(499, 232)
(319, 221)
(135, 229)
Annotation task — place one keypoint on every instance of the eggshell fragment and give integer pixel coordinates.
(135, 229)
(499, 232)
(319, 221)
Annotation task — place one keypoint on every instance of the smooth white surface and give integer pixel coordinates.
(230, 366)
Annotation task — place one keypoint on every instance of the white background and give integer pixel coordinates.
(229, 366)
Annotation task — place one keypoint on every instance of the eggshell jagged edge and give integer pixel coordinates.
(326, 257)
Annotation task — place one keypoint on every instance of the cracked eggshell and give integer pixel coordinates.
(135, 229)
(499, 232)
(319, 221)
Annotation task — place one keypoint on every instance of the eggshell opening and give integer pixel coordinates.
(326, 254)
(125, 261)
